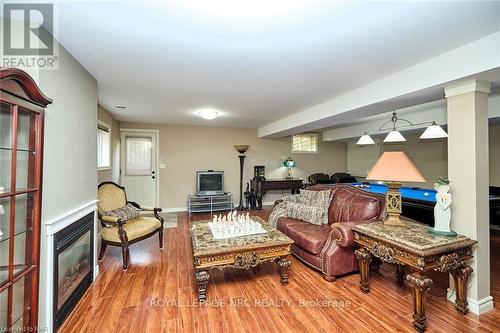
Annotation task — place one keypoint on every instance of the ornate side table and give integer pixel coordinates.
(414, 247)
(243, 252)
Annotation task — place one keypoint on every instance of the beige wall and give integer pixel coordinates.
(113, 173)
(70, 153)
(187, 149)
(430, 157)
(494, 145)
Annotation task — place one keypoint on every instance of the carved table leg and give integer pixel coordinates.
(420, 285)
(202, 278)
(460, 277)
(400, 273)
(364, 258)
(284, 265)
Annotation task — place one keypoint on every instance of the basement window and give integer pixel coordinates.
(305, 143)
(103, 146)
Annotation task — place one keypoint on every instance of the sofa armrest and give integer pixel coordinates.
(342, 234)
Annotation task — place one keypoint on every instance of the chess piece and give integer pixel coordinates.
(214, 219)
(223, 219)
(247, 217)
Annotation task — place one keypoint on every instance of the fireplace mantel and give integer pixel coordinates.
(51, 227)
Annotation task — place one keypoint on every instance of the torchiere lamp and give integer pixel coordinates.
(289, 163)
(393, 168)
(242, 150)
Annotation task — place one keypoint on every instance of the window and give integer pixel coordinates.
(305, 143)
(103, 146)
(138, 156)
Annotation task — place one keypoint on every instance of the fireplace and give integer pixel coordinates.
(73, 265)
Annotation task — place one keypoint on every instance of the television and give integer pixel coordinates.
(209, 182)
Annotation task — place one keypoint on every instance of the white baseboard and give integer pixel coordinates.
(477, 307)
(174, 209)
(184, 209)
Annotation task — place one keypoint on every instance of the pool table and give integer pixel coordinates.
(418, 203)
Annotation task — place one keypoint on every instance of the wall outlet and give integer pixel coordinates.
(162, 165)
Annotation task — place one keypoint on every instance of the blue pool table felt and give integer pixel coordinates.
(407, 192)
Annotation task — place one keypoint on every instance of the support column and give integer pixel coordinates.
(468, 171)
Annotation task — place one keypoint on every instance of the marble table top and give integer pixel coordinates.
(205, 244)
(414, 237)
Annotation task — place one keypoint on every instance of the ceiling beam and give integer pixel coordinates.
(421, 83)
(433, 111)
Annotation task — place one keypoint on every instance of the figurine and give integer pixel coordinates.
(442, 210)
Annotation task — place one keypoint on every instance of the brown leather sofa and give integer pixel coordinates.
(330, 248)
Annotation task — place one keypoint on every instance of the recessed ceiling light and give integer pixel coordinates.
(207, 113)
(121, 107)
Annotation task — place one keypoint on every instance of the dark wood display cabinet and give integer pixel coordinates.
(21, 143)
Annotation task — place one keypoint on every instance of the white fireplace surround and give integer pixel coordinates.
(52, 226)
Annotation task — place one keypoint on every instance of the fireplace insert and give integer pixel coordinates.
(73, 265)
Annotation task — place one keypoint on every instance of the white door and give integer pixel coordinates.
(139, 175)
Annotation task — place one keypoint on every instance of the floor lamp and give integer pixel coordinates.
(242, 150)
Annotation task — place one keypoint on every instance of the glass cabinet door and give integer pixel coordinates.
(5, 147)
(19, 197)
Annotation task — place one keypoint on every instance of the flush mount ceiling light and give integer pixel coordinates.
(433, 131)
(207, 113)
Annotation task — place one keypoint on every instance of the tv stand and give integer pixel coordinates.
(210, 203)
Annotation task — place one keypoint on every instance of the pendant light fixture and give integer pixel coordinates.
(433, 131)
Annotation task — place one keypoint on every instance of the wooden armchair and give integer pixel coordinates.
(119, 232)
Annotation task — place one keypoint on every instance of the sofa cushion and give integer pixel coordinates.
(307, 236)
(349, 205)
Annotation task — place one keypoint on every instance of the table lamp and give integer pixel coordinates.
(289, 163)
(393, 168)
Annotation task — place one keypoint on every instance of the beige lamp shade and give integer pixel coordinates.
(395, 166)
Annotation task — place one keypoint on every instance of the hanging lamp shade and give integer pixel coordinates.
(365, 140)
(434, 131)
(394, 136)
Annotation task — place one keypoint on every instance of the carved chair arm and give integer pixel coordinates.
(110, 219)
(155, 210)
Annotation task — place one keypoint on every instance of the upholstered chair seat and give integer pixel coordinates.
(121, 221)
(135, 228)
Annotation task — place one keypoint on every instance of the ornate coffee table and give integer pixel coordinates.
(242, 252)
(414, 247)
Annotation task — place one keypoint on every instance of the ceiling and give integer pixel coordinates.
(256, 61)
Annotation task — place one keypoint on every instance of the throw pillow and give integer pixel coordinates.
(308, 213)
(128, 212)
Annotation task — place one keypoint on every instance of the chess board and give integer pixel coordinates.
(224, 230)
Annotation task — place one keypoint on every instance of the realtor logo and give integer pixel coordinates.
(28, 35)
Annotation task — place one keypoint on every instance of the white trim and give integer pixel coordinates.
(55, 224)
(52, 226)
(477, 307)
(174, 209)
(184, 209)
(157, 134)
(466, 87)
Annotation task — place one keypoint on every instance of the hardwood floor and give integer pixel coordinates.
(157, 294)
